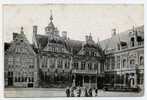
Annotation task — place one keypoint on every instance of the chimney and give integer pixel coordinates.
(34, 29)
(64, 34)
(86, 38)
(34, 38)
(113, 32)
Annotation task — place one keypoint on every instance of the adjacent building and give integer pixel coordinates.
(124, 58)
(20, 63)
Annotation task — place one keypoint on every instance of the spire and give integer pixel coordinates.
(21, 29)
(51, 17)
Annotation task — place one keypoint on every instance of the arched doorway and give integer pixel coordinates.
(79, 81)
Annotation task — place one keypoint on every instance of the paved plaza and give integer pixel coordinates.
(54, 92)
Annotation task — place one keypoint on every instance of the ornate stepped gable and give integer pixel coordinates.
(52, 39)
(20, 45)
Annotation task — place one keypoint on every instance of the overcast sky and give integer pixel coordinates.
(77, 20)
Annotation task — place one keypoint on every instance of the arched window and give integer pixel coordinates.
(132, 42)
(60, 63)
(141, 60)
(132, 62)
(124, 62)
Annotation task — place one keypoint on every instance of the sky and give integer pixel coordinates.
(77, 20)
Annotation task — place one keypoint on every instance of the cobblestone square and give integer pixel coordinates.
(55, 92)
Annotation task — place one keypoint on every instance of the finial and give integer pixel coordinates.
(51, 17)
(90, 34)
(133, 28)
(21, 30)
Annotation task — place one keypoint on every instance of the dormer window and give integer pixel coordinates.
(118, 46)
(93, 53)
(87, 53)
(132, 42)
(21, 40)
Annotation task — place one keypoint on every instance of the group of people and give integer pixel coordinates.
(78, 92)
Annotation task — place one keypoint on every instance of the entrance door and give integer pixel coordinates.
(79, 81)
(99, 82)
(132, 82)
(10, 81)
(30, 85)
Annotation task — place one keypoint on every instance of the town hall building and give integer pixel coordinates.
(54, 60)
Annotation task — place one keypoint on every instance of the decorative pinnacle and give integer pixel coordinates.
(51, 17)
(21, 29)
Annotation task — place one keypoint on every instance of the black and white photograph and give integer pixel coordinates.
(73, 50)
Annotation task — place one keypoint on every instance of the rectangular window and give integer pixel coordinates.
(32, 79)
(75, 65)
(15, 79)
(118, 62)
(108, 64)
(90, 66)
(60, 63)
(52, 62)
(112, 62)
(67, 64)
(18, 79)
(29, 79)
(82, 65)
(25, 79)
(92, 53)
(95, 66)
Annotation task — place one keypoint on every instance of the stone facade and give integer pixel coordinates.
(124, 63)
(57, 61)
(63, 61)
(20, 63)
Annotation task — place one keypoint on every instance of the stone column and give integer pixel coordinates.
(124, 79)
(83, 81)
(48, 62)
(110, 67)
(63, 64)
(135, 80)
(89, 81)
(98, 68)
(79, 65)
(86, 65)
(56, 63)
(92, 66)
(71, 61)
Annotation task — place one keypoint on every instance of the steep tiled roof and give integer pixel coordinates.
(6, 46)
(123, 37)
(74, 45)
(42, 40)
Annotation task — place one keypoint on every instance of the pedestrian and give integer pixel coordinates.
(67, 92)
(96, 91)
(90, 92)
(72, 91)
(86, 93)
(78, 92)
